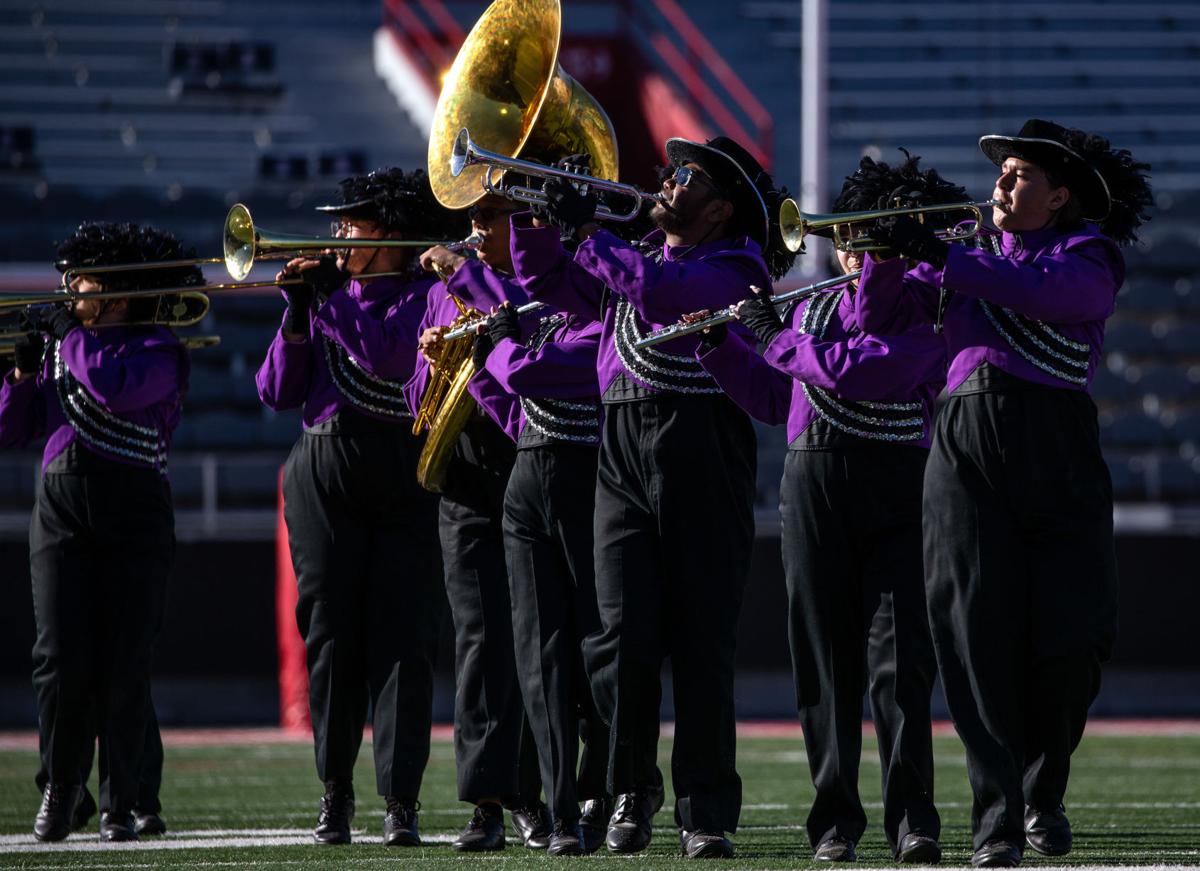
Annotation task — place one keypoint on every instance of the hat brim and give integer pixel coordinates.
(1092, 189)
(682, 151)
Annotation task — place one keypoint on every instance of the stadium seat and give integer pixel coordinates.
(1130, 428)
(1128, 334)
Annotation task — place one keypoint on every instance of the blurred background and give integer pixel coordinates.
(169, 111)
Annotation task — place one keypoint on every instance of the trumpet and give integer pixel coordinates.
(245, 243)
(795, 225)
(467, 153)
(725, 315)
(467, 328)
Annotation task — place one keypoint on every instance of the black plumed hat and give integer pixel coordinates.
(106, 243)
(878, 185)
(397, 201)
(1112, 188)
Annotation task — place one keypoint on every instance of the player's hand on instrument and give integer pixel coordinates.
(27, 354)
(758, 313)
(441, 260)
(59, 322)
(430, 344)
(712, 335)
(911, 239)
(565, 207)
(504, 323)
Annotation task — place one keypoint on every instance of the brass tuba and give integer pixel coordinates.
(507, 88)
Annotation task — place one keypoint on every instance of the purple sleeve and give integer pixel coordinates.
(662, 292)
(759, 389)
(890, 301)
(384, 346)
(547, 272)
(557, 370)
(863, 368)
(283, 378)
(1072, 285)
(496, 402)
(484, 288)
(121, 383)
(22, 411)
(414, 388)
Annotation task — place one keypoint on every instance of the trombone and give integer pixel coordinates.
(245, 243)
(725, 315)
(795, 225)
(467, 153)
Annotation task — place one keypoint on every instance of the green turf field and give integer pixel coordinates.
(1133, 800)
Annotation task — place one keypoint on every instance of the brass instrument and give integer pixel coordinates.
(178, 306)
(795, 225)
(467, 153)
(446, 407)
(725, 315)
(244, 243)
(507, 87)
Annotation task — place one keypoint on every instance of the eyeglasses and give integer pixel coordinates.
(487, 214)
(685, 175)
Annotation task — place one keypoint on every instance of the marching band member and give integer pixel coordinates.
(1020, 568)
(497, 759)
(858, 410)
(362, 533)
(548, 544)
(102, 536)
(663, 589)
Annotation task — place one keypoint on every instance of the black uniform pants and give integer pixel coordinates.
(363, 540)
(493, 746)
(857, 621)
(674, 531)
(102, 538)
(548, 514)
(1022, 589)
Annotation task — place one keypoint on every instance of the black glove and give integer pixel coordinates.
(566, 208)
(910, 238)
(759, 315)
(481, 350)
(299, 300)
(59, 322)
(27, 353)
(504, 324)
(714, 336)
(325, 278)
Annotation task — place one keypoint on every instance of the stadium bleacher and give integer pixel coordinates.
(168, 112)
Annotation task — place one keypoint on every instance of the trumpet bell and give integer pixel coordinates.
(507, 87)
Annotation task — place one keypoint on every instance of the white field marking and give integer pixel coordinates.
(196, 839)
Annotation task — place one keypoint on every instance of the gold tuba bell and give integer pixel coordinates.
(507, 88)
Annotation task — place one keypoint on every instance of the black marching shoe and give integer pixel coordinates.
(117, 826)
(1048, 832)
(918, 849)
(54, 818)
(630, 826)
(835, 849)
(485, 831)
(400, 823)
(83, 811)
(997, 854)
(566, 839)
(148, 824)
(705, 845)
(336, 814)
(533, 825)
(593, 822)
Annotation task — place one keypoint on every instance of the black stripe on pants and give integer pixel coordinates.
(363, 540)
(1022, 589)
(674, 531)
(548, 514)
(857, 621)
(493, 746)
(102, 538)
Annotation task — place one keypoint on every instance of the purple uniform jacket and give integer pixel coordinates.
(775, 386)
(481, 287)
(688, 279)
(376, 324)
(1036, 310)
(562, 368)
(137, 375)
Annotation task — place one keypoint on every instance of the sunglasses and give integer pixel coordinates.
(487, 214)
(685, 175)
